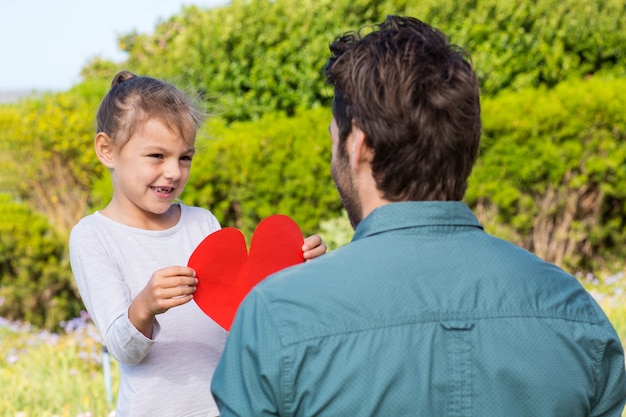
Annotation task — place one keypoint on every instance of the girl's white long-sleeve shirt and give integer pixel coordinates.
(169, 374)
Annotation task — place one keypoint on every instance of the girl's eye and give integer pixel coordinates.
(185, 158)
(156, 155)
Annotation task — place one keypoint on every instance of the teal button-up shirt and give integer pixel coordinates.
(422, 314)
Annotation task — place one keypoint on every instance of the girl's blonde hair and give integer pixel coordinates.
(132, 100)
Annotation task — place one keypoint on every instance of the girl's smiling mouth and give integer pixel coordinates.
(163, 190)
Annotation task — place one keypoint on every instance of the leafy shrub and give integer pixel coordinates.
(50, 159)
(253, 57)
(550, 176)
(250, 170)
(552, 171)
(250, 57)
(519, 44)
(336, 232)
(35, 280)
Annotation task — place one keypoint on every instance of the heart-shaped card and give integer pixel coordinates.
(226, 272)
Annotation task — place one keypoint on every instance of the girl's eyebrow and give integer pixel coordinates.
(160, 149)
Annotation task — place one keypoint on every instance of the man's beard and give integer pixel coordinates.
(347, 191)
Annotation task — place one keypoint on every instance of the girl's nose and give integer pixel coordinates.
(172, 170)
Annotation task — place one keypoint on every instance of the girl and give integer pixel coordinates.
(128, 258)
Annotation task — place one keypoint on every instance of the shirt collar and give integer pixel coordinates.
(408, 214)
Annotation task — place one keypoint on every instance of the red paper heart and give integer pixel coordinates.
(225, 271)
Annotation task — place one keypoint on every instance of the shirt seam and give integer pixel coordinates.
(437, 317)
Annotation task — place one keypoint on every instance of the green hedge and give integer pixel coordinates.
(550, 175)
(552, 171)
(36, 284)
(48, 143)
(249, 170)
(519, 43)
(258, 56)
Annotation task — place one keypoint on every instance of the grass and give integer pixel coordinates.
(50, 375)
(61, 375)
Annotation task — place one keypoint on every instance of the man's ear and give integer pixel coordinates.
(360, 152)
(104, 149)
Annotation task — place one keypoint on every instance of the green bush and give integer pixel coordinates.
(250, 170)
(250, 57)
(9, 119)
(552, 171)
(519, 43)
(50, 163)
(36, 284)
(47, 171)
(336, 232)
(550, 175)
(253, 57)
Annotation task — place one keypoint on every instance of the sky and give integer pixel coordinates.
(45, 43)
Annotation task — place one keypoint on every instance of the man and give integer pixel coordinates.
(423, 313)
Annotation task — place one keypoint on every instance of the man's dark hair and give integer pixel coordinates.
(416, 97)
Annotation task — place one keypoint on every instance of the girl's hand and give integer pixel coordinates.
(313, 247)
(168, 287)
